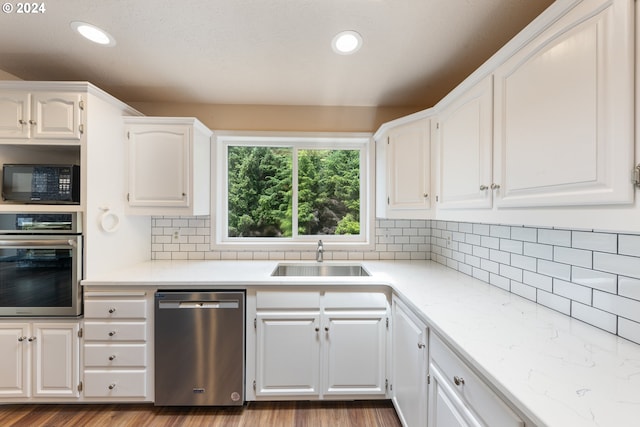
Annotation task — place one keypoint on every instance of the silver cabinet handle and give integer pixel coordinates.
(32, 339)
(112, 357)
(22, 122)
(458, 380)
(32, 122)
(112, 386)
(421, 345)
(326, 329)
(426, 195)
(495, 186)
(483, 188)
(20, 339)
(317, 329)
(112, 310)
(112, 333)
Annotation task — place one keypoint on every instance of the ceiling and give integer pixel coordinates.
(270, 52)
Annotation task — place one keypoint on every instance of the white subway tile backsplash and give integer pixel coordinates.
(554, 237)
(499, 256)
(601, 242)
(593, 316)
(512, 246)
(538, 250)
(473, 239)
(554, 302)
(524, 234)
(499, 281)
(594, 279)
(572, 291)
(629, 245)
(538, 280)
(579, 257)
(481, 252)
(525, 291)
(629, 330)
(481, 274)
(621, 306)
(490, 266)
(490, 242)
(628, 287)
(474, 261)
(554, 269)
(511, 272)
(524, 262)
(500, 231)
(617, 264)
(465, 227)
(481, 229)
(465, 268)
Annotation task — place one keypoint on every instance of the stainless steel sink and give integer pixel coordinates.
(320, 269)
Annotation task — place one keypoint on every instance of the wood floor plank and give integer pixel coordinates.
(263, 414)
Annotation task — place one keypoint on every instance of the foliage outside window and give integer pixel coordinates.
(279, 190)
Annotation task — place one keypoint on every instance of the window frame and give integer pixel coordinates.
(298, 140)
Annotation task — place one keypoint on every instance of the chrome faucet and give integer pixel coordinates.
(320, 251)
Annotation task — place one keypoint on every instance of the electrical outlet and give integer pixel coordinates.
(176, 234)
(446, 235)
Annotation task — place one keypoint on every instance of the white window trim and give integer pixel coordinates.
(219, 176)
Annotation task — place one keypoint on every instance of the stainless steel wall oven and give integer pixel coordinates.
(40, 264)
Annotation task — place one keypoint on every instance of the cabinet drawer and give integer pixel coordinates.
(347, 300)
(292, 300)
(115, 309)
(114, 383)
(115, 331)
(491, 408)
(115, 355)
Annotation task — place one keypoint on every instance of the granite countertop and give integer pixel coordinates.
(557, 370)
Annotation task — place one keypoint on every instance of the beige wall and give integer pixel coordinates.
(7, 76)
(278, 117)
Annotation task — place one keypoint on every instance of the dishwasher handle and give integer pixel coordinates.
(198, 304)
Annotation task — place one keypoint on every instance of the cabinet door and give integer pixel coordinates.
(564, 123)
(465, 137)
(407, 158)
(14, 369)
(55, 359)
(354, 353)
(14, 115)
(409, 366)
(287, 354)
(56, 116)
(446, 409)
(159, 165)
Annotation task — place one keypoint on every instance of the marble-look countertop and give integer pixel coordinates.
(557, 370)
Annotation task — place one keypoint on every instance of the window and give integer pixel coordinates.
(292, 190)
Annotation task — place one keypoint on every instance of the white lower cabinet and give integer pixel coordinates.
(39, 360)
(458, 397)
(317, 345)
(116, 348)
(409, 365)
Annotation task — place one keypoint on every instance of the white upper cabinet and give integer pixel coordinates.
(168, 166)
(403, 157)
(564, 124)
(465, 135)
(40, 115)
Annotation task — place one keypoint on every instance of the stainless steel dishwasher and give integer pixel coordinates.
(199, 348)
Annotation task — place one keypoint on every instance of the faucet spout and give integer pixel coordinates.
(320, 251)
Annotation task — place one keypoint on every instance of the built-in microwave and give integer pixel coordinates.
(40, 264)
(45, 184)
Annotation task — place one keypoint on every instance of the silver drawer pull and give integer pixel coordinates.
(421, 345)
(20, 339)
(112, 386)
(112, 357)
(458, 380)
(112, 333)
(32, 339)
(112, 310)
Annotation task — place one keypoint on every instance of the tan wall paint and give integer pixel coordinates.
(8, 76)
(279, 117)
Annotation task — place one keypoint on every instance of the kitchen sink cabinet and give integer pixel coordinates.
(116, 346)
(403, 171)
(169, 166)
(317, 345)
(464, 134)
(40, 361)
(409, 365)
(564, 124)
(458, 397)
(41, 115)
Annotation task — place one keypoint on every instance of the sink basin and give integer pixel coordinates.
(320, 269)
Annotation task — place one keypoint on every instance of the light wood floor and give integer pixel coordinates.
(254, 414)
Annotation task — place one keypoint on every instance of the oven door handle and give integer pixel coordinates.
(38, 243)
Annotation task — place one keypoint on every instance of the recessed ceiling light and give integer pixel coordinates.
(93, 33)
(346, 42)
